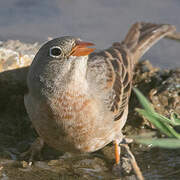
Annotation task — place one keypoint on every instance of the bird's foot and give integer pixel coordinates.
(34, 150)
(117, 170)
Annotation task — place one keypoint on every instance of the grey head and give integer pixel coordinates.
(54, 62)
(62, 48)
(58, 48)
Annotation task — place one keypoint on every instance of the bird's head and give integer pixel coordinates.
(65, 47)
(60, 59)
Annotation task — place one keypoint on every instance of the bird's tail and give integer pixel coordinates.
(142, 36)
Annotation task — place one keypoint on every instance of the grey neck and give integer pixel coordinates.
(55, 76)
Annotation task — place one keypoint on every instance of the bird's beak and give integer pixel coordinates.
(81, 49)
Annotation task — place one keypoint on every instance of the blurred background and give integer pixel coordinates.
(98, 21)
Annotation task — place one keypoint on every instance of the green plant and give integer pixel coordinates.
(162, 123)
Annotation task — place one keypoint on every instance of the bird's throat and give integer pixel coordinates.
(69, 75)
(77, 69)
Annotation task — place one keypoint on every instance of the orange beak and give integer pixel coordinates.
(81, 49)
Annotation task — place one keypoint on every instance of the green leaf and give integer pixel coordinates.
(144, 102)
(175, 118)
(163, 127)
(164, 143)
(173, 132)
(173, 121)
(164, 119)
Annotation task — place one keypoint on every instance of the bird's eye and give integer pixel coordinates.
(55, 51)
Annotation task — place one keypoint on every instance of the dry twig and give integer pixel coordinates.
(133, 162)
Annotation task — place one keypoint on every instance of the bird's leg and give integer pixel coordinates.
(117, 152)
(34, 150)
(117, 166)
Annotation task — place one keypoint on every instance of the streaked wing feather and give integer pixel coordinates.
(114, 77)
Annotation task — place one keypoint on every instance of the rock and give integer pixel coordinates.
(15, 54)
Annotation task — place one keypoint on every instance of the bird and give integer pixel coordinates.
(77, 97)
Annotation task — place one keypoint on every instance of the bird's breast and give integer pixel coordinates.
(72, 121)
(71, 104)
(80, 118)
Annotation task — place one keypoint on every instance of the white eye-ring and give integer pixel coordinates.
(55, 52)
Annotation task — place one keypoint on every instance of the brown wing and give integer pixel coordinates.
(111, 70)
(112, 73)
(123, 67)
